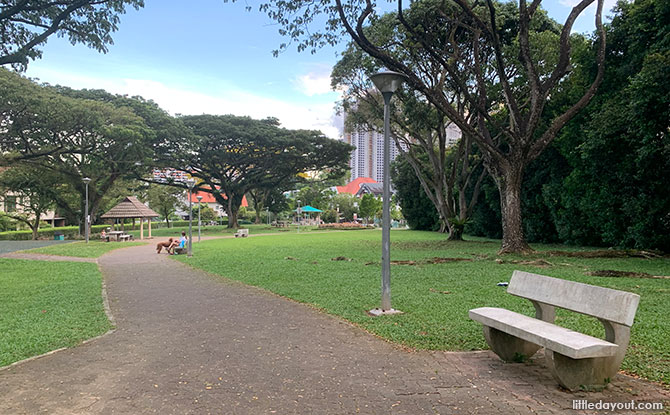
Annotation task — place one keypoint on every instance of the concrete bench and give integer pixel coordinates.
(180, 251)
(242, 233)
(126, 237)
(576, 360)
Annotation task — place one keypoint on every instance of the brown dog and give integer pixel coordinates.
(161, 245)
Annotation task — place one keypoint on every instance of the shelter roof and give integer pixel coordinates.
(376, 189)
(353, 186)
(130, 207)
(308, 208)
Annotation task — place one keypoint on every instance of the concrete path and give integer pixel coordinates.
(191, 343)
(12, 246)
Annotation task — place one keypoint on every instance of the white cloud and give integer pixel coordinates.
(313, 84)
(180, 100)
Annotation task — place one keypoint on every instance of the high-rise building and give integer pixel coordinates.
(367, 160)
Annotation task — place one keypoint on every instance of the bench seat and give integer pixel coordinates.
(558, 339)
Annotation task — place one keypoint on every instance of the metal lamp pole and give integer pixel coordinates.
(387, 83)
(190, 183)
(87, 220)
(267, 213)
(199, 209)
(298, 211)
(337, 219)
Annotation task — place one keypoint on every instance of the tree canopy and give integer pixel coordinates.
(25, 25)
(231, 156)
(602, 182)
(505, 61)
(72, 134)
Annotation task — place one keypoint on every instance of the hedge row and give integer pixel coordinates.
(72, 232)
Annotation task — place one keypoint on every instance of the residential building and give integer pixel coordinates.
(14, 203)
(209, 200)
(354, 186)
(367, 160)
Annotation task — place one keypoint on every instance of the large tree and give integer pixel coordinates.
(445, 173)
(37, 121)
(75, 134)
(615, 192)
(231, 156)
(507, 72)
(25, 25)
(33, 191)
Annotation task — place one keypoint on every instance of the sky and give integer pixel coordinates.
(211, 57)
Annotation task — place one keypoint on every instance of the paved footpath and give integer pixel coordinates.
(190, 343)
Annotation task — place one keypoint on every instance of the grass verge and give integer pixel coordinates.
(81, 249)
(48, 305)
(219, 231)
(435, 294)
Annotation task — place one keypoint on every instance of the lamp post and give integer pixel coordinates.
(87, 220)
(199, 209)
(299, 212)
(267, 213)
(337, 219)
(190, 183)
(387, 83)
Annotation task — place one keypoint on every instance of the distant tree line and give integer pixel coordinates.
(51, 137)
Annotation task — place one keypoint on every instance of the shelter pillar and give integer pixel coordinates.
(149, 222)
(141, 228)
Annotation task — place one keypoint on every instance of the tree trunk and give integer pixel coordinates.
(456, 233)
(232, 210)
(258, 217)
(36, 226)
(509, 185)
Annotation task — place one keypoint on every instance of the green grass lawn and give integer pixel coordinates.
(81, 249)
(435, 297)
(216, 230)
(48, 305)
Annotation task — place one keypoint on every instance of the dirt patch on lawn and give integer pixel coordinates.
(625, 274)
(536, 262)
(438, 260)
(607, 253)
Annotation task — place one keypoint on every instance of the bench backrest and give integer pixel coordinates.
(604, 303)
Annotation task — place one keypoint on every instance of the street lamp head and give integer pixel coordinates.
(387, 81)
(86, 180)
(190, 183)
(199, 198)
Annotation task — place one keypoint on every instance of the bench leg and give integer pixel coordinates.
(581, 374)
(507, 347)
(594, 373)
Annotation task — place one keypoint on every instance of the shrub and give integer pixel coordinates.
(345, 226)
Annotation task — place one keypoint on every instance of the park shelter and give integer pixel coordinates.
(132, 208)
(309, 210)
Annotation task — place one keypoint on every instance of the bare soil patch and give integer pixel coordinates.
(625, 274)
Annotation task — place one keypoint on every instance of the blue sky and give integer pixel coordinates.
(208, 56)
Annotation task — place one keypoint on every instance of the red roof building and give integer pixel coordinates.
(209, 198)
(353, 186)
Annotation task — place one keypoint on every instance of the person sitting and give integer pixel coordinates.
(181, 243)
